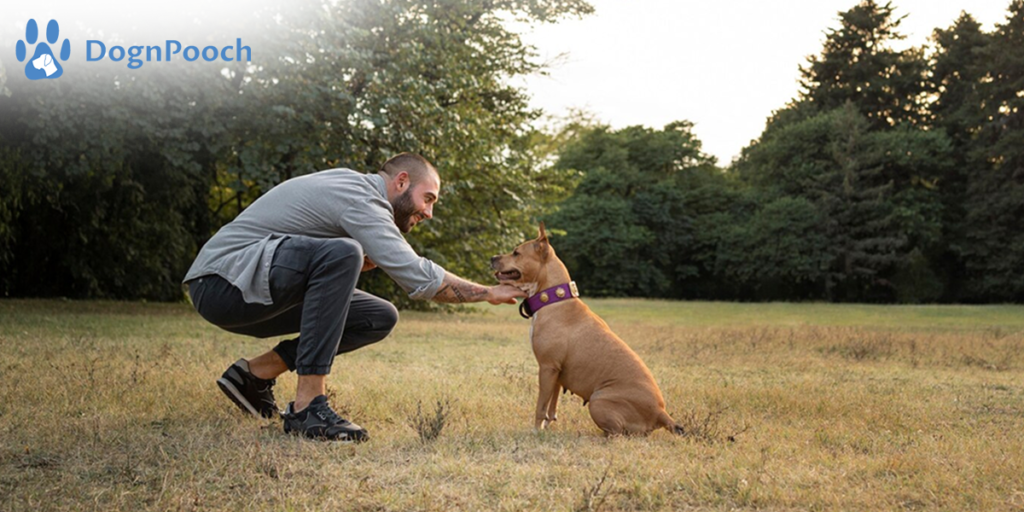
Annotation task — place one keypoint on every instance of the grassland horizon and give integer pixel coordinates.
(113, 406)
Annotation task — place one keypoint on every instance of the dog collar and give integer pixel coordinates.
(547, 297)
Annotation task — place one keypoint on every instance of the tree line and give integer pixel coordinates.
(894, 176)
(113, 178)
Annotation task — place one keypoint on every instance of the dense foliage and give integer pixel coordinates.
(893, 176)
(113, 180)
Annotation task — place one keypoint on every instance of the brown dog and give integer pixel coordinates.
(577, 351)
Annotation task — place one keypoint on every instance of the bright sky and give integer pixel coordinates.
(724, 65)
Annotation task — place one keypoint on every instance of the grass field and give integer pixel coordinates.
(113, 406)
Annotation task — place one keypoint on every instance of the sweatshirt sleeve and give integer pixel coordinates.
(372, 224)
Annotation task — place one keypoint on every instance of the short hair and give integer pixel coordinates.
(417, 166)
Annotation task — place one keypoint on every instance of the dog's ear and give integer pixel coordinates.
(541, 245)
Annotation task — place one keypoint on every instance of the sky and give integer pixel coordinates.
(119, 19)
(724, 65)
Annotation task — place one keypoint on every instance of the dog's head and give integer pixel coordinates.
(523, 267)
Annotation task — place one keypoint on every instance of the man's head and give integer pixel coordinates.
(413, 187)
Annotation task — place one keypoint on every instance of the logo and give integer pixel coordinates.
(43, 63)
(227, 53)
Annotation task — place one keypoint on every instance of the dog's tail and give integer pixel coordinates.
(667, 422)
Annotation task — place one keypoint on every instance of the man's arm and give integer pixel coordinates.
(455, 289)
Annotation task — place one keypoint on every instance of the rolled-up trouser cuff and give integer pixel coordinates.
(313, 370)
(286, 353)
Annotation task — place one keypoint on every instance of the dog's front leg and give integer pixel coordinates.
(548, 391)
(553, 404)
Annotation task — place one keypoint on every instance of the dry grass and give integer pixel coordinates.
(112, 406)
(429, 426)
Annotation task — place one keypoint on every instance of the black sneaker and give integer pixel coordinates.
(250, 393)
(319, 421)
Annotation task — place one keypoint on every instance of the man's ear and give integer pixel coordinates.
(402, 180)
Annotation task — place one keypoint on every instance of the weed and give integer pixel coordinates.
(592, 499)
(429, 426)
(706, 426)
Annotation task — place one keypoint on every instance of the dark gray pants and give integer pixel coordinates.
(313, 287)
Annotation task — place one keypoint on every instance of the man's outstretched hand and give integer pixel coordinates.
(504, 294)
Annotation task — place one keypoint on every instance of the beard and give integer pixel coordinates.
(404, 210)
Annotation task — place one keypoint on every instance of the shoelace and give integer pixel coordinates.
(327, 414)
(269, 389)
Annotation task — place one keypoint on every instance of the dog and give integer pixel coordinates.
(576, 350)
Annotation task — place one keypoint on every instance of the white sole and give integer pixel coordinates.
(230, 388)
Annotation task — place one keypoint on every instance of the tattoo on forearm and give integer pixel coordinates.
(460, 291)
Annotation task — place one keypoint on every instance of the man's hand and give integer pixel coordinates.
(455, 290)
(504, 294)
(368, 264)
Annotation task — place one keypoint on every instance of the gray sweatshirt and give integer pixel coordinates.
(326, 204)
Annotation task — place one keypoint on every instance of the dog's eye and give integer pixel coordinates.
(515, 253)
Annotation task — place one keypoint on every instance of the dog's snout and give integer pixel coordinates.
(494, 260)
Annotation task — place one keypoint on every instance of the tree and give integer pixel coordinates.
(958, 73)
(874, 191)
(993, 240)
(860, 226)
(857, 65)
(789, 157)
(780, 252)
(110, 177)
(145, 171)
(853, 143)
(958, 70)
(627, 226)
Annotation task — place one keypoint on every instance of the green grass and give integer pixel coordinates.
(112, 406)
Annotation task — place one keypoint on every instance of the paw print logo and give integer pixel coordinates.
(43, 63)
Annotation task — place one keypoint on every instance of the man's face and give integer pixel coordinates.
(416, 203)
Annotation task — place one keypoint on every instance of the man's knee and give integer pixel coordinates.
(386, 317)
(342, 254)
(381, 320)
(374, 324)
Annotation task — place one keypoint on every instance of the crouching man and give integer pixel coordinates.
(289, 264)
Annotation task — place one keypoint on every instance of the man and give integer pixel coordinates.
(289, 263)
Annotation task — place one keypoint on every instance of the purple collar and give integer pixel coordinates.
(564, 291)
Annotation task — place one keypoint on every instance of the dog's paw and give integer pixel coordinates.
(544, 423)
